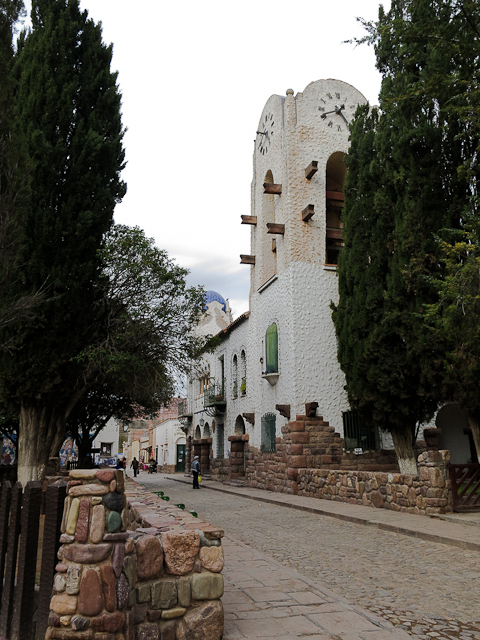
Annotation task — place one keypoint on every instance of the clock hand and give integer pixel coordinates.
(324, 115)
(339, 112)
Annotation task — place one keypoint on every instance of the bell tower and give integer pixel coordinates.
(296, 237)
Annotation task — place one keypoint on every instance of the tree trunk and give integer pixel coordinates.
(40, 429)
(475, 427)
(403, 441)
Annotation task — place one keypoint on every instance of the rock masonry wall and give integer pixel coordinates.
(133, 567)
(425, 494)
(309, 460)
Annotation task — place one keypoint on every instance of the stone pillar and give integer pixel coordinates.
(237, 455)
(205, 446)
(197, 448)
(188, 463)
(88, 575)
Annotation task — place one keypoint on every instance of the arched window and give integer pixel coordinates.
(235, 376)
(268, 433)
(271, 347)
(198, 433)
(243, 373)
(336, 173)
(239, 426)
(206, 430)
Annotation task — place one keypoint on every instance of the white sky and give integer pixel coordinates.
(194, 84)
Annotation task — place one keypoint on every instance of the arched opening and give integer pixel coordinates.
(335, 179)
(243, 373)
(268, 244)
(456, 434)
(206, 430)
(239, 426)
(198, 433)
(235, 376)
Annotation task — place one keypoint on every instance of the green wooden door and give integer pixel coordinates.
(181, 455)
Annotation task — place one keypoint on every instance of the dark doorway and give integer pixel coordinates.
(181, 455)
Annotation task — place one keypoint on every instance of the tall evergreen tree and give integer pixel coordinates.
(393, 377)
(68, 104)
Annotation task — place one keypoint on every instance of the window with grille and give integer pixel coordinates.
(220, 441)
(357, 434)
(268, 432)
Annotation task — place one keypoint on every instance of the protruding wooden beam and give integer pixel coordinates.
(249, 417)
(311, 170)
(274, 245)
(308, 212)
(269, 187)
(284, 410)
(337, 196)
(249, 219)
(275, 227)
(311, 409)
(244, 259)
(335, 234)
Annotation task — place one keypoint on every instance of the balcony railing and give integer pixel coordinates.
(214, 395)
(183, 409)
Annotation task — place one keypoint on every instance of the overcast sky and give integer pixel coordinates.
(195, 76)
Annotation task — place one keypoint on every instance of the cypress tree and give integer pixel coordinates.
(68, 104)
(393, 375)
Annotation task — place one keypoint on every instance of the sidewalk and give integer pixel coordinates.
(263, 600)
(458, 530)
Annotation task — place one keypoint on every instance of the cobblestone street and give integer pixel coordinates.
(426, 589)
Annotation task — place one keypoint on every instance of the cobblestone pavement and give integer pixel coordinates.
(430, 590)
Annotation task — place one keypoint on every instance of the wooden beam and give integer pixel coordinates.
(284, 410)
(311, 409)
(249, 417)
(308, 212)
(269, 187)
(311, 170)
(244, 259)
(249, 219)
(336, 195)
(274, 245)
(335, 234)
(275, 227)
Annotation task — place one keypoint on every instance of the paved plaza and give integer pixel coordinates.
(290, 573)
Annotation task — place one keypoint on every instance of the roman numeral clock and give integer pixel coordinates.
(335, 110)
(265, 134)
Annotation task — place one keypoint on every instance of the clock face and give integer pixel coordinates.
(265, 133)
(335, 110)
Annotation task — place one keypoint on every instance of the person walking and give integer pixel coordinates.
(196, 472)
(135, 467)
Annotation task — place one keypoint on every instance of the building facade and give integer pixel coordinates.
(277, 363)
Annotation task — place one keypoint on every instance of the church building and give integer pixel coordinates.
(277, 363)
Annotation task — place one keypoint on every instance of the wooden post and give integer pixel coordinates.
(54, 504)
(22, 617)
(5, 500)
(11, 564)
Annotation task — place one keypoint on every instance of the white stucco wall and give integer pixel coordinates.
(291, 287)
(108, 435)
(167, 435)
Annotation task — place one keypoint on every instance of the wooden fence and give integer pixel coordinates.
(465, 486)
(24, 609)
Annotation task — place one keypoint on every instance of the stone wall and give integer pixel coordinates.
(135, 569)
(424, 494)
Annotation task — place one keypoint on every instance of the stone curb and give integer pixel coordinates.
(423, 535)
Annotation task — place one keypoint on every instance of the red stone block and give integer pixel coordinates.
(295, 427)
(295, 449)
(297, 462)
(300, 438)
